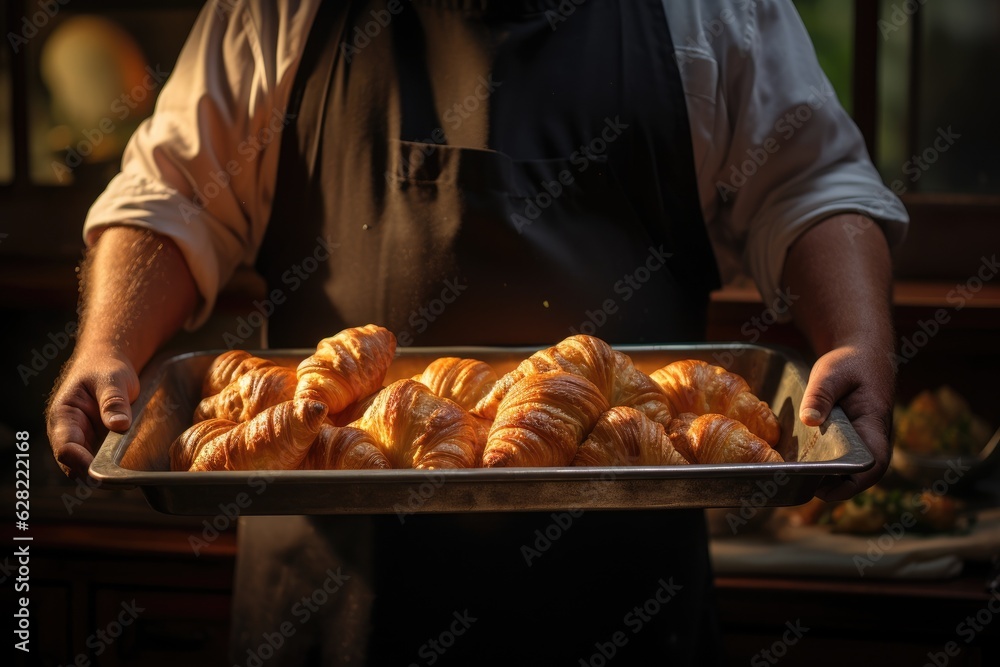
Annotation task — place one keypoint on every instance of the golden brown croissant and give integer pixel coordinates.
(626, 437)
(464, 381)
(229, 367)
(346, 366)
(251, 394)
(614, 374)
(417, 429)
(277, 439)
(344, 448)
(701, 388)
(715, 438)
(542, 420)
(185, 448)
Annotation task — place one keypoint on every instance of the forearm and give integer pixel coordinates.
(843, 280)
(136, 292)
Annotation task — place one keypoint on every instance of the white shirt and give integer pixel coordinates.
(774, 151)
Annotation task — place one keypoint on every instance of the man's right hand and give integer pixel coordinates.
(93, 396)
(136, 291)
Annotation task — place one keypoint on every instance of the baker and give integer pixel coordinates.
(524, 160)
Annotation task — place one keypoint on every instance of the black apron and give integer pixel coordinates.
(540, 183)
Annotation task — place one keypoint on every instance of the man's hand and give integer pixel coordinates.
(844, 280)
(136, 291)
(93, 396)
(862, 384)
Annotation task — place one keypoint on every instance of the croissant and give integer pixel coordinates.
(715, 438)
(277, 439)
(346, 366)
(417, 429)
(344, 448)
(464, 381)
(614, 374)
(542, 420)
(251, 394)
(228, 367)
(185, 448)
(701, 388)
(626, 437)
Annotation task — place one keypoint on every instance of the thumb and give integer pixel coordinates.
(825, 387)
(114, 393)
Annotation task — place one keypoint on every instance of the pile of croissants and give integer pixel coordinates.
(577, 403)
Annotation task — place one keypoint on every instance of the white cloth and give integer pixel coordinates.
(202, 169)
(815, 551)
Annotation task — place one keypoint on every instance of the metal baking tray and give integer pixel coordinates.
(139, 456)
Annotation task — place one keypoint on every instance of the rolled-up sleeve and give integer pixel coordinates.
(201, 170)
(775, 151)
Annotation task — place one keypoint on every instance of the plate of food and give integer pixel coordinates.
(940, 442)
(357, 426)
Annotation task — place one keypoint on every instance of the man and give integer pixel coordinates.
(519, 162)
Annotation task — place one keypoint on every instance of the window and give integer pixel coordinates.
(831, 25)
(924, 92)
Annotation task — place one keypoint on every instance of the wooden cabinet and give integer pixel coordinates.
(845, 622)
(121, 595)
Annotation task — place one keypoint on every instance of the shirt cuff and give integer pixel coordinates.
(768, 244)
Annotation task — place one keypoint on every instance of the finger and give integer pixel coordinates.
(70, 435)
(115, 392)
(838, 487)
(822, 392)
(872, 432)
(74, 460)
